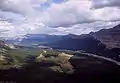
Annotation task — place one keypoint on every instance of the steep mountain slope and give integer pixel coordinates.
(110, 37)
(83, 42)
(105, 42)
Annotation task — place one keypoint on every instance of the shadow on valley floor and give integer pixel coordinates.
(87, 70)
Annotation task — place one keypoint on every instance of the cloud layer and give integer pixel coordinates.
(20, 17)
(105, 3)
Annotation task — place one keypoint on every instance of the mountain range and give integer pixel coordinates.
(105, 42)
(87, 58)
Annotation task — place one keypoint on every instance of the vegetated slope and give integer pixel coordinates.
(14, 57)
(58, 66)
(5, 59)
(63, 67)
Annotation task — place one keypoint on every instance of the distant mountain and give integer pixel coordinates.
(35, 39)
(105, 42)
(109, 37)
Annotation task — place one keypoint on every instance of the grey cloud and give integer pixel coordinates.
(11, 17)
(69, 24)
(15, 7)
(24, 7)
(86, 28)
(105, 3)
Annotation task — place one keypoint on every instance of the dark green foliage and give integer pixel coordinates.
(24, 66)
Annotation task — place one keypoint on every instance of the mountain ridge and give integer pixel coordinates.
(110, 37)
(105, 42)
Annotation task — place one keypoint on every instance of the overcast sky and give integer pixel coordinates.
(20, 17)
